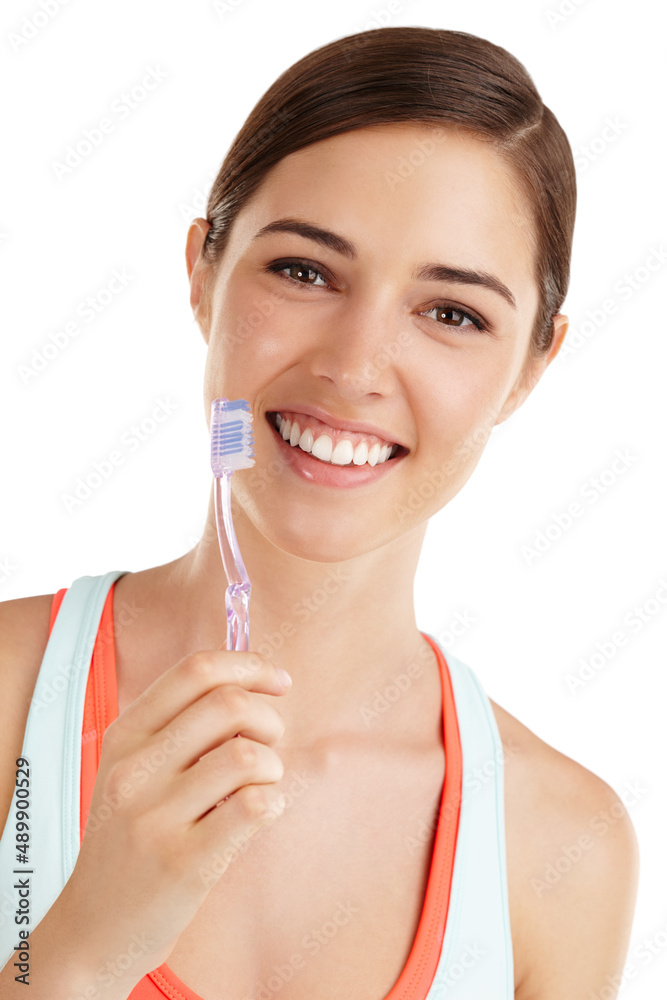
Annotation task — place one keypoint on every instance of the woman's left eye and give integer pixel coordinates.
(298, 269)
(454, 317)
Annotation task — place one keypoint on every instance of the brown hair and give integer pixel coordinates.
(426, 76)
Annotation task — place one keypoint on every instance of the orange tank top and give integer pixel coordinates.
(101, 708)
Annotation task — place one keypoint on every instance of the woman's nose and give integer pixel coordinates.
(359, 350)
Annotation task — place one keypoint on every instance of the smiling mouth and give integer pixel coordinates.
(330, 445)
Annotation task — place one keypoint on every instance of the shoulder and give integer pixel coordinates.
(24, 633)
(572, 868)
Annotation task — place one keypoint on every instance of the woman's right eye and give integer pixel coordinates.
(298, 269)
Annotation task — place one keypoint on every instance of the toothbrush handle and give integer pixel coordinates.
(236, 601)
(237, 595)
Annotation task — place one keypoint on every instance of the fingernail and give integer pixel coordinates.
(285, 678)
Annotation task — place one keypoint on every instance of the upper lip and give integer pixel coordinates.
(338, 423)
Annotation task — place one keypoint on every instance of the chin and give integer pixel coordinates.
(305, 533)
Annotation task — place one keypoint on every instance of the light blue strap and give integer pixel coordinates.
(476, 961)
(52, 745)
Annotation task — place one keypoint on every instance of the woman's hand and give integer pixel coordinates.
(175, 791)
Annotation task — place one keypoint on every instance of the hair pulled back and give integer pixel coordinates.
(426, 76)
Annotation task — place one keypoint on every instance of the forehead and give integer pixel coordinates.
(403, 193)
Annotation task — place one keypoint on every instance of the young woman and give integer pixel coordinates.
(380, 273)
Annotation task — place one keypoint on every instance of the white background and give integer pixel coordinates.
(128, 205)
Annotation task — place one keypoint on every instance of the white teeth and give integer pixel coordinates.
(295, 434)
(342, 453)
(323, 448)
(345, 453)
(360, 453)
(306, 440)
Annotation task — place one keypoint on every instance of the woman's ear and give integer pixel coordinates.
(197, 273)
(534, 369)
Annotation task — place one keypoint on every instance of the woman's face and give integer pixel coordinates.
(347, 324)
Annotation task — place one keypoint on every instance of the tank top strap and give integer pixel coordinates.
(100, 705)
(55, 606)
(52, 749)
(476, 959)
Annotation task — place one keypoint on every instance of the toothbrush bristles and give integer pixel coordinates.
(232, 442)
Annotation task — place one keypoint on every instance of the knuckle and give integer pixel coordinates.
(119, 777)
(253, 801)
(199, 664)
(233, 700)
(245, 753)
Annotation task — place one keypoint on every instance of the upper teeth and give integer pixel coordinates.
(345, 453)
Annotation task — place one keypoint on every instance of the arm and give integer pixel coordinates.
(62, 963)
(582, 885)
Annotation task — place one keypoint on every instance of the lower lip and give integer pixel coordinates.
(325, 474)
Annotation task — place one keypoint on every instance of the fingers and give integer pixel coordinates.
(224, 772)
(191, 678)
(215, 837)
(215, 718)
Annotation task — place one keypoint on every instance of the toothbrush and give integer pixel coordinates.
(231, 449)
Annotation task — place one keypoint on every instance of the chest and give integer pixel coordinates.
(329, 896)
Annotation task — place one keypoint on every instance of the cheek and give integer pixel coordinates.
(445, 465)
(456, 416)
(251, 323)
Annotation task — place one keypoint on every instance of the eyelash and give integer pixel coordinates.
(280, 265)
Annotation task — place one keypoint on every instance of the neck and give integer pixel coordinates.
(343, 630)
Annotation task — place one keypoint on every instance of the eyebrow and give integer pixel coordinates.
(427, 272)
